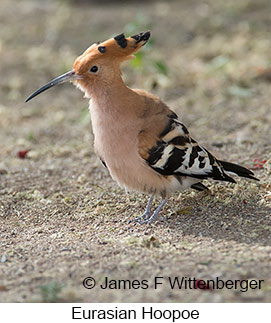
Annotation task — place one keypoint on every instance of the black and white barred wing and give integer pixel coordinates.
(176, 153)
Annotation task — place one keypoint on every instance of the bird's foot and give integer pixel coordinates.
(147, 217)
(142, 218)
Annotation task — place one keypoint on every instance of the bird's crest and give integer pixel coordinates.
(118, 47)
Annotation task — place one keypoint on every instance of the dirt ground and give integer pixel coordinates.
(62, 218)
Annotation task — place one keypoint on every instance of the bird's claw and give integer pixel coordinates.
(141, 219)
(146, 218)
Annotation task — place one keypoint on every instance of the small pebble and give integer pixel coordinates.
(3, 259)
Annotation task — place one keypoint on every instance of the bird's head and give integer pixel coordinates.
(99, 63)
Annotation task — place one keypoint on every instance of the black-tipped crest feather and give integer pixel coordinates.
(121, 40)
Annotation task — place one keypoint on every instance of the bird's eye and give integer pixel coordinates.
(94, 69)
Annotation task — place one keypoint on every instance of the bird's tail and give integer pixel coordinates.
(237, 170)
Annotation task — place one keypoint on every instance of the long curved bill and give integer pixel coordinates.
(69, 76)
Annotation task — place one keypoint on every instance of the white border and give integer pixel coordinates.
(62, 312)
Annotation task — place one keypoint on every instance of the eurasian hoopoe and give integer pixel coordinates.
(137, 137)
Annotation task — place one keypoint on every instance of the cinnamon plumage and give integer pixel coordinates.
(136, 135)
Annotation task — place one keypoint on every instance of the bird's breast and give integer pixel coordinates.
(116, 143)
(114, 134)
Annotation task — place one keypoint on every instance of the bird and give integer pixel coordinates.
(138, 138)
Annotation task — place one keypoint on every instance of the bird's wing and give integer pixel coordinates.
(174, 152)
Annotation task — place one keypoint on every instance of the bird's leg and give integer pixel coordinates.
(146, 214)
(155, 213)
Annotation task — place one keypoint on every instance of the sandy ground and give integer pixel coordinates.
(62, 218)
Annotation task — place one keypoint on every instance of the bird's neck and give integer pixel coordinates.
(111, 97)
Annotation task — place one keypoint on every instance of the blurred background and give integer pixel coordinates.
(208, 60)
